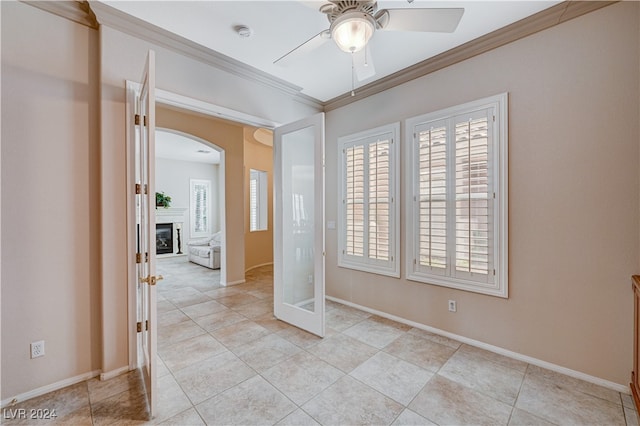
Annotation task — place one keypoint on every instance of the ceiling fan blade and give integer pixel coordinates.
(306, 47)
(363, 64)
(424, 20)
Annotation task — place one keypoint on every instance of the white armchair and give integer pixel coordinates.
(205, 251)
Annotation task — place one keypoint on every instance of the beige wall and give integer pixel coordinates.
(573, 194)
(258, 245)
(229, 137)
(50, 199)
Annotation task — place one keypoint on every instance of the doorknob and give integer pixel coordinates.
(151, 279)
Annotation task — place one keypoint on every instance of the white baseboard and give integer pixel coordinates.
(257, 266)
(114, 373)
(49, 388)
(496, 349)
(227, 284)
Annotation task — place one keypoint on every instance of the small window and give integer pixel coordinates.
(457, 204)
(200, 207)
(257, 200)
(368, 225)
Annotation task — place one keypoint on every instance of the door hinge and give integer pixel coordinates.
(138, 189)
(146, 188)
(494, 272)
(144, 119)
(146, 257)
(146, 324)
(138, 257)
(139, 327)
(137, 119)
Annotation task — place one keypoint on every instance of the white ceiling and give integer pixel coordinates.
(280, 26)
(174, 146)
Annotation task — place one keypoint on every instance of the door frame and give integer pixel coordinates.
(163, 97)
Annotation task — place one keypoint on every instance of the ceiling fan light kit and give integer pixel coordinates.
(352, 31)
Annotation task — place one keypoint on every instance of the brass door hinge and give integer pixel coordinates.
(139, 326)
(138, 189)
(137, 119)
(138, 257)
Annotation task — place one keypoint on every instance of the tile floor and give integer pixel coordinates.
(224, 359)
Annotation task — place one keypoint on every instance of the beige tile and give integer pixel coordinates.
(577, 384)
(223, 292)
(477, 372)
(101, 389)
(300, 337)
(271, 323)
(421, 352)
(188, 417)
(126, 407)
(253, 402)
(411, 418)
(556, 400)
(523, 418)
(255, 309)
(435, 338)
(174, 316)
(172, 334)
(514, 364)
(190, 351)
(341, 319)
(202, 309)
(219, 320)
(171, 399)
(164, 306)
(236, 300)
(392, 377)
(349, 402)
(239, 333)
(262, 293)
(627, 401)
(445, 402)
(80, 417)
(267, 351)
(298, 418)
(343, 352)
(377, 332)
(161, 368)
(302, 377)
(207, 378)
(64, 402)
(631, 417)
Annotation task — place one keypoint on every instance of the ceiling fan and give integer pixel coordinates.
(353, 23)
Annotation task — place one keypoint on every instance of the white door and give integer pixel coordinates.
(146, 229)
(299, 224)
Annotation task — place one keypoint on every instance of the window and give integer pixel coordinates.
(257, 200)
(368, 222)
(200, 207)
(457, 204)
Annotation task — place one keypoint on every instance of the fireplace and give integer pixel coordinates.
(164, 238)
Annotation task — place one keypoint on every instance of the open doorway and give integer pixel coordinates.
(190, 182)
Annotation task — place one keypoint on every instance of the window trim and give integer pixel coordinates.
(500, 176)
(392, 267)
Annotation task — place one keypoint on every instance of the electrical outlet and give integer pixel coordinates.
(37, 349)
(453, 306)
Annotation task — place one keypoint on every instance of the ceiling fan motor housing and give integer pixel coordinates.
(338, 7)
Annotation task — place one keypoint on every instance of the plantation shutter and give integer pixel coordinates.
(369, 219)
(354, 201)
(473, 197)
(432, 196)
(253, 202)
(379, 200)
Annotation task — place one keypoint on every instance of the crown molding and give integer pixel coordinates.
(547, 18)
(76, 11)
(111, 17)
